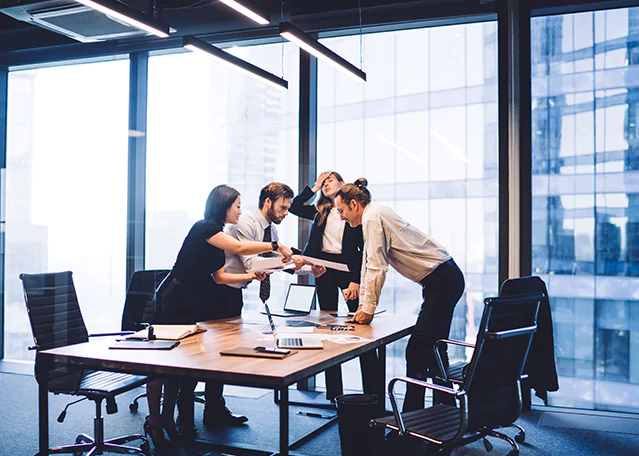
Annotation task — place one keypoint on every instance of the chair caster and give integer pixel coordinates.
(521, 437)
(488, 445)
(514, 452)
(133, 406)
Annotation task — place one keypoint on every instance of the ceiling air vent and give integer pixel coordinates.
(73, 20)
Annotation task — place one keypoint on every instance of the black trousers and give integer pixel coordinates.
(328, 286)
(442, 288)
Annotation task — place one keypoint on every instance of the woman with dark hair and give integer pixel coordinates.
(390, 240)
(334, 240)
(195, 291)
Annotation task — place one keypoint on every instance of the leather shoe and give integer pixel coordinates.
(222, 416)
(188, 431)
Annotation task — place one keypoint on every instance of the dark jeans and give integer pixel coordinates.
(442, 288)
(328, 286)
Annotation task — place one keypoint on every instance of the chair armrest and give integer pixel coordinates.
(454, 342)
(391, 393)
(121, 333)
(438, 356)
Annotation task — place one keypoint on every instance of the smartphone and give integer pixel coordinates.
(340, 314)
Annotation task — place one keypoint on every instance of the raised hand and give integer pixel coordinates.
(320, 181)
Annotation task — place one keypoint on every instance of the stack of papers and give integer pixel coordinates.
(275, 264)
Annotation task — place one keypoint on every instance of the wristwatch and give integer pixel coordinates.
(275, 246)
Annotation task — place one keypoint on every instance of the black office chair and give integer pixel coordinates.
(489, 396)
(56, 321)
(541, 361)
(138, 307)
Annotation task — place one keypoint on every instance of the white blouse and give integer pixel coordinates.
(333, 233)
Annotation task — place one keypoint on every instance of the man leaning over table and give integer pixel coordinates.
(390, 240)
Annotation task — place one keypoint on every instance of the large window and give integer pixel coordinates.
(209, 124)
(66, 190)
(585, 71)
(423, 131)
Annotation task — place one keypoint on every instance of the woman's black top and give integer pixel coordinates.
(189, 293)
(352, 242)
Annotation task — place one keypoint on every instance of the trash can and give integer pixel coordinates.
(354, 411)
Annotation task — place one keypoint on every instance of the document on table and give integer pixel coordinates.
(326, 264)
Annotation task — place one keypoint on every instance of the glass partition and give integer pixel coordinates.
(423, 131)
(585, 71)
(67, 190)
(210, 124)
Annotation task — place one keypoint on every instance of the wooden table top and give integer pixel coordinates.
(199, 356)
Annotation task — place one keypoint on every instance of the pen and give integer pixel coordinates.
(314, 415)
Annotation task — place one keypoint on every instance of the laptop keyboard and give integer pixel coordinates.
(290, 342)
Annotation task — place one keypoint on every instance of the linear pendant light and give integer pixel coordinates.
(249, 10)
(128, 15)
(312, 46)
(197, 45)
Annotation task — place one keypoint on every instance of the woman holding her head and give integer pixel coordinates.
(195, 290)
(390, 240)
(334, 240)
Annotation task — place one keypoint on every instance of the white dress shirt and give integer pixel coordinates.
(389, 239)
(250, 228)
(333, 233)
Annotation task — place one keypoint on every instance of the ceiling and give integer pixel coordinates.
(197, 17)
(210, 17)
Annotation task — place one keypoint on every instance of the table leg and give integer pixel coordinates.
(284, 421)
(43, 409)
(381, 386)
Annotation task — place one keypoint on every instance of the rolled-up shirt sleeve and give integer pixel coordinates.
(375, 265)
(246, 232)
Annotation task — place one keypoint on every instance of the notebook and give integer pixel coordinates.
(252, 353)
(169, 332)
(299, 301)
(145, 344)
(291, 342)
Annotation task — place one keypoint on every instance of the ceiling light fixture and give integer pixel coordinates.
(197, 45)
(312, 46)
(129, 16)
(249, 10)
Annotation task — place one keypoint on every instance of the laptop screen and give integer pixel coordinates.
(270, 321)
(299, 297)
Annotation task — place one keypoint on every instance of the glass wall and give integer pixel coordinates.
(66, 190)
(585, 70)
(423, 131)
(210, 124)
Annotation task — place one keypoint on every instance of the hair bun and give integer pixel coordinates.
(361, 182)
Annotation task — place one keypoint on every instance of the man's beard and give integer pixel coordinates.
(270, 213)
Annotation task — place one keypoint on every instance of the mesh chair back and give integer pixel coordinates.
(138, 306)
(56, 321)
(493, 375)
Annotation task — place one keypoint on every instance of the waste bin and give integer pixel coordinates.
(354, 411)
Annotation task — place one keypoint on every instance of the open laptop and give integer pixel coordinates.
(291, 342)
(299, 301)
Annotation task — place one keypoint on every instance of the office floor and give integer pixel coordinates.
(548, 433)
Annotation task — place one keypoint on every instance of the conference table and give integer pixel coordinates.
(199, 357)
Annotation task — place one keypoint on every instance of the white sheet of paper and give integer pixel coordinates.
(270, 265)
(326, 264)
